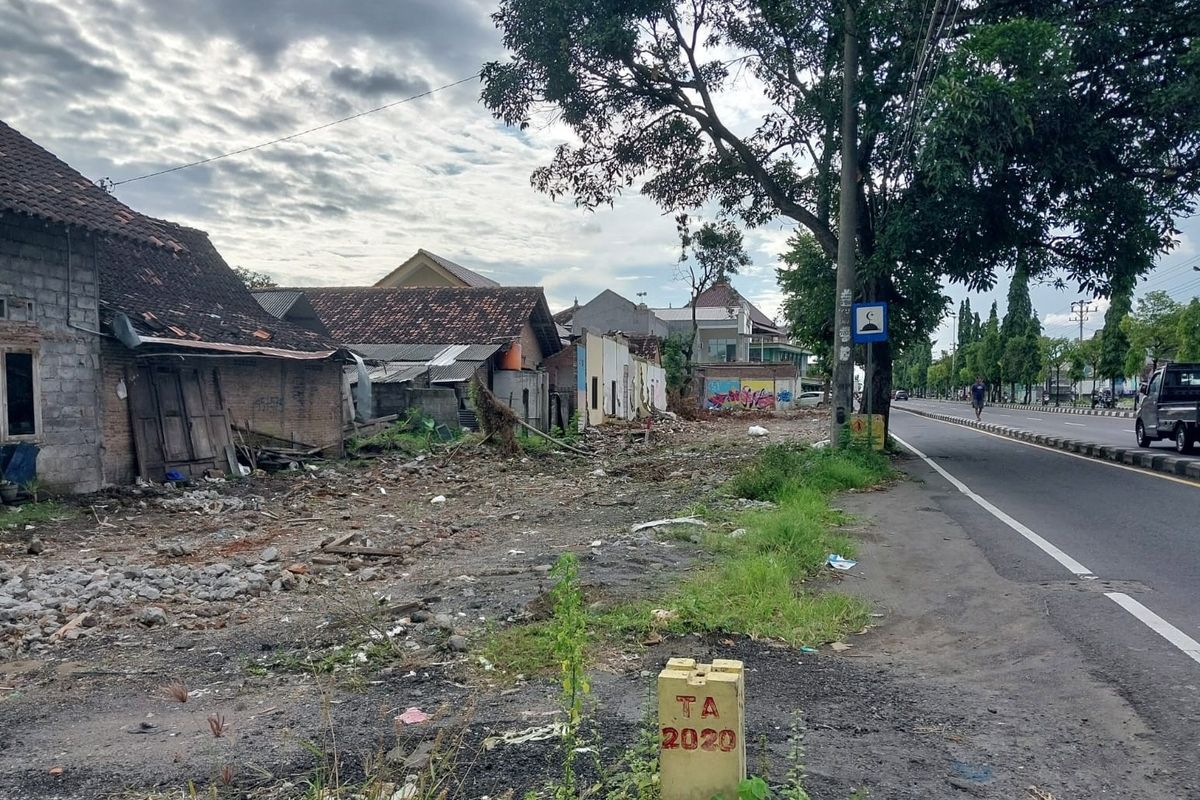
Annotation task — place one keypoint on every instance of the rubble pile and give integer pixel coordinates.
(35, 607)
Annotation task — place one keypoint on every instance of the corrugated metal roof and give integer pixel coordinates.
(277, 304)
(424, 352)
(458, 372)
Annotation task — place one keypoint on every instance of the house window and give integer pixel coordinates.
(19, 391)
(722, 349)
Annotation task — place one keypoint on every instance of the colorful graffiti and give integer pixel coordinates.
(734, 393)
(730, 394)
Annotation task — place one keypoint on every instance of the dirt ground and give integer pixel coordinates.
(905, 713)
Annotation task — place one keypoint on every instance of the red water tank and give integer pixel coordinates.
(511, 358)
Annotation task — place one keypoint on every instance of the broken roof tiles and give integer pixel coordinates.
(34, 181)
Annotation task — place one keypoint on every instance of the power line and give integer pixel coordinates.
(108, 184)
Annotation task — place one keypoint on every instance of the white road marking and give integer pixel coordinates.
(1038, 541)
(1128, 430)
(1036, 419)
(1076, 424)
(1184, 643)
(998, 414)
(1101, 461)
(1157, 624)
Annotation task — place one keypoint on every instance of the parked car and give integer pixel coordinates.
(811, 399)
(1171, 407)
(901, 395)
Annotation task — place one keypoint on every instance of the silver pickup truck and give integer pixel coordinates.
(1171, 407)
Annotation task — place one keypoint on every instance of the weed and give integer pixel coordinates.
(36, 513)
(218, 725)
(177, 691)
(752, 586)
(570, 638)
(522, 649)
(414, 433)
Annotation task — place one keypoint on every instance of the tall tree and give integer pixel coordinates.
(1027, 141)
(1153, 332)
(707, 256)
(1189, 332)
(254, 279)
(1114, 343)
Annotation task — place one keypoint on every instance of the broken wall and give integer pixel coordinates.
(293, 400)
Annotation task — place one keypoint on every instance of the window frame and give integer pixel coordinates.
(36, 364)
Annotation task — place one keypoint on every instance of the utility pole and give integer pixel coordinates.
(1080, 311)
(843, 361)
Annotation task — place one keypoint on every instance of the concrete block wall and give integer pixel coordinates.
(34, 266)
(438, 402)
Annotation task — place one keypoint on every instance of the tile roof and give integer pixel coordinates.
(646, 346)
(424, 315)
(723, 295)
(190, 295)
(467, 276)
(35, 181)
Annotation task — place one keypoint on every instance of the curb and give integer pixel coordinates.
(1181, 466)
(1091, 412)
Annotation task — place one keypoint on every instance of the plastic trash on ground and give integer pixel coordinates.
(837, 562)
(757, 430)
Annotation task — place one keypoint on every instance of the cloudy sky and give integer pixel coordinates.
(121, 88)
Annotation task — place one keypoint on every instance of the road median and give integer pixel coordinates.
(1169, 463)
(1122, 413)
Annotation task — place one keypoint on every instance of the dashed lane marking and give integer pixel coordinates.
(1180, 640)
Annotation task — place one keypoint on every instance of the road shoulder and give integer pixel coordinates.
(1037, 716)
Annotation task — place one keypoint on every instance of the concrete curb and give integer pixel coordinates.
(1091, 412)
(1182, 466)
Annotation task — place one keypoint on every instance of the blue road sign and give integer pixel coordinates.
(869, 322)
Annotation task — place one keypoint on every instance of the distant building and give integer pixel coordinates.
(732, 329)
(424, 268)
(609, 311)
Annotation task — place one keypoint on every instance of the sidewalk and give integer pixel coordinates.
(1157, 461)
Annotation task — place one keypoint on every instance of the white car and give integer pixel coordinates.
(811, 399)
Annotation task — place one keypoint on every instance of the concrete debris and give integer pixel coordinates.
(441, 498)
(675, 521)
(152, 615)
(268, 555)
(35, 546)
(457, 644)
(209, 501)
(539, 734)
(757, 430)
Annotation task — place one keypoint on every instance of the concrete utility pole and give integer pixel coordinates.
(843, 361)
(953, 351)
(1081, 309)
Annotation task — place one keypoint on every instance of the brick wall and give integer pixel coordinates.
(300, 400)
(290, 399)
(34, 266)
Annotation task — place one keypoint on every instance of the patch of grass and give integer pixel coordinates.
(14, 517)
(754, 585)
(522, 649)
(414, 433)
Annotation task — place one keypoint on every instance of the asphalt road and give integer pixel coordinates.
(1116, 431)
(1138, 533)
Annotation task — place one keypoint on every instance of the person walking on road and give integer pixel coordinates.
(978, 390)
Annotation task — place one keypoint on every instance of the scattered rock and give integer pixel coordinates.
(36, 546)
(457, 644)
(420, 616)
(268, 555)
(152, 615)
(444, 621)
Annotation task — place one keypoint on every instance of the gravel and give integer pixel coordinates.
(34, 603)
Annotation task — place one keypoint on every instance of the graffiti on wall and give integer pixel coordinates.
(734, 393)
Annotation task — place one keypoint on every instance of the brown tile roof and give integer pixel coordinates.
(35, 181)
(644, 346)
(420, 315)
(723, 295)
(190, 295)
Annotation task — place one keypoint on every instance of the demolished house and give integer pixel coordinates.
(424, 346)
(129, 346)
